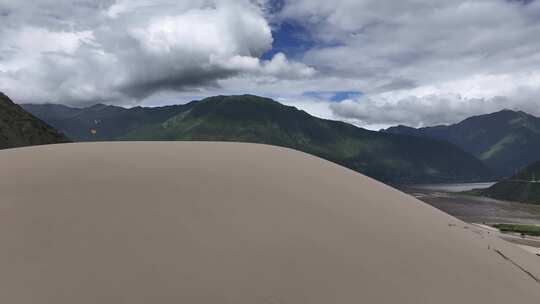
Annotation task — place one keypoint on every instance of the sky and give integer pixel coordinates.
(373, 63)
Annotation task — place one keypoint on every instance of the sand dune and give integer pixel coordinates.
(233, 223)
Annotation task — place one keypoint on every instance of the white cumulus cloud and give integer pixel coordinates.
(127, 50)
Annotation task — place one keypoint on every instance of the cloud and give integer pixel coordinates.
(407, 52)
(415, 62)
(420, 41)
(128, 50)
(434, 105)
(429, 110)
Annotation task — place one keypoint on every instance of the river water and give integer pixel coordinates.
(453, 188)
(474, 209)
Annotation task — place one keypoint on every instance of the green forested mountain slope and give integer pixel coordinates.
(99, 122)
(522, 187)
(387, 157)
(19, 128)
(505, 141)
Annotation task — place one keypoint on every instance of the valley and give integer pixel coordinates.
(482, 213)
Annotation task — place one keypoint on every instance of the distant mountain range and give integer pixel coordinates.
(19, 128)
(387, 157)
(522, 187)
(506, 141)
(100, 122)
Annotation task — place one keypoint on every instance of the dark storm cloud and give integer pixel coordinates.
(187, 80)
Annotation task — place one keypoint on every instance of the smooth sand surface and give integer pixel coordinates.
(233, 223)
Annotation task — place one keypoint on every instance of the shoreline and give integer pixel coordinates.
(482, 212)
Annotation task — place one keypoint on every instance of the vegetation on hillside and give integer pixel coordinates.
(387, 157)
(19, 128)
(100, 122)
(505, 141)
(532, 230)
(523, 187)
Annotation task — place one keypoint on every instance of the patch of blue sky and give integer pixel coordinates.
(290, 38)
(334, 96)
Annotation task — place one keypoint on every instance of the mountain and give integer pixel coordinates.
(522, 187)
(19, 128)
(505, 141)
(100, 122)
(387, 157)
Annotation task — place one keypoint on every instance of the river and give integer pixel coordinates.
(474, 209)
